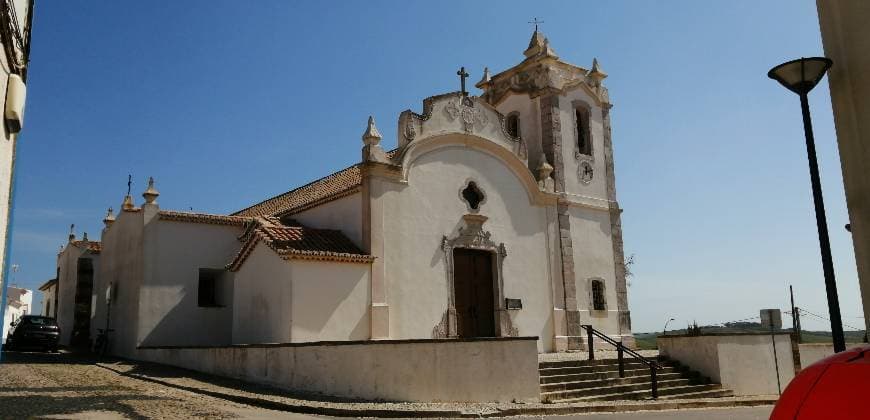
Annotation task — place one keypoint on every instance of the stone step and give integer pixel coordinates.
(670, 392)
(613, 389)
(567, 370)
(579, 374)
(611, 382)
(596, 362)
(714, 393)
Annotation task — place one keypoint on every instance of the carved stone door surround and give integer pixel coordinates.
(472, 236)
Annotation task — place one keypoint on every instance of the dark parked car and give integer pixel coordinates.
(33, 331)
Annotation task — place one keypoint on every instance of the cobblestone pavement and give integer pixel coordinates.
(39, 385)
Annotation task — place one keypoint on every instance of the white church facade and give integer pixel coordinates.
(496, 216)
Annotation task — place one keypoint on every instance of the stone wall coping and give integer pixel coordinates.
(348, 343)
(737, 334)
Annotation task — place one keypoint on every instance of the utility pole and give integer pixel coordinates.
(795, 317)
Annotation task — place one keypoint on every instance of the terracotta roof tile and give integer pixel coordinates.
(215, 219)
(331, 187)
(297, 242)
(93, 246)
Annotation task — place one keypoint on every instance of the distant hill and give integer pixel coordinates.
(647, 341)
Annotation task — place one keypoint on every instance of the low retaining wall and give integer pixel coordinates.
(742, 363)
(473, 370)
(813, 352)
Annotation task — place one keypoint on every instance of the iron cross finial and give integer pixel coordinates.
(535, 21)
(462, 75)
(129, 183)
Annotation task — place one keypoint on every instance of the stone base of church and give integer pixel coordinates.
(497, 369)
(380, 321)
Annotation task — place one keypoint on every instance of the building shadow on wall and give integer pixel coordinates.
(188, 324)
(235, 390)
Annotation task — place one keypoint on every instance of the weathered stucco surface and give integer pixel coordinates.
(67, 272)
(846, 38)
(175, 252)
(342, 214)
(122, 267)
(743, 363)
(474, 371)
(429, 207)
(280, 301)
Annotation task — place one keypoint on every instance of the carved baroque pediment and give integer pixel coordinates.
(454, 113)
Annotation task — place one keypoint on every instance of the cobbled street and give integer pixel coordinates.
(67, 386)
(40, 385)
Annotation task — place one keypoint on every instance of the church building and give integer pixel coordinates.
(496, 216)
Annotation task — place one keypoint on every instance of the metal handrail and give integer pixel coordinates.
(620, 349)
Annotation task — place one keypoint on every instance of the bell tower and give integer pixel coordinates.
(562, 112)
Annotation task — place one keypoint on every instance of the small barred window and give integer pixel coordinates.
(598, 301)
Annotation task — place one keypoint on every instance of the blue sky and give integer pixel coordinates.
(226, 103)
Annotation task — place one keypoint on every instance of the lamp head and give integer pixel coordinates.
(802, 75)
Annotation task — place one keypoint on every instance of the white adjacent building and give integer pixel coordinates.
(15, 20)
(19, 302)
(49, 298)
(496, 216)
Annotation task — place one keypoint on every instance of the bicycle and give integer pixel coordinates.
(101, 344)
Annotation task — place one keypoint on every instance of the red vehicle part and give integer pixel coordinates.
(836, 387)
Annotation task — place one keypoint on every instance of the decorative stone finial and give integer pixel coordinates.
(544, 171)
(536, 44)
(85, 237)
(128, 203)
(486, 77)
(596, 72)
(548, 50)
(110, 217)
(72, 232)
(372, 136)
(151, 193)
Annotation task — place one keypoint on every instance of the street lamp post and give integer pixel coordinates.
(665, 329)
(801, 76)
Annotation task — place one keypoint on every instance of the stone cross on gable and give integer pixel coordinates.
(462, 75)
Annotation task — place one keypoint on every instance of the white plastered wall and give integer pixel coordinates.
(593, 259)
(261, 302)
(281, 301)
(8, 146)
(342, 214)
(529, 112)
(597, 188)
(175, 251)
(418, 215)
(67, 281)
(121, 265)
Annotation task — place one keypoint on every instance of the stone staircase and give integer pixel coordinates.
(598, 380)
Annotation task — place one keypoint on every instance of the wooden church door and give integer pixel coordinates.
(473, 291)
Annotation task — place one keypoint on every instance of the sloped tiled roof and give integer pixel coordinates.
(297, 242)
(334, 186)
(48, 284)
(331, 187)
(92, 246)
(214, 219)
